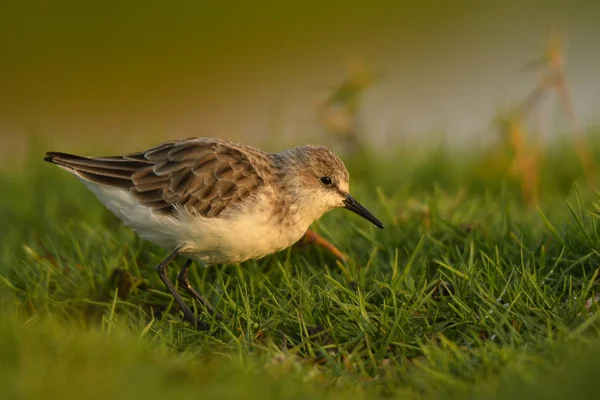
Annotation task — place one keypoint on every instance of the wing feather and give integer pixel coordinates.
(205, 176)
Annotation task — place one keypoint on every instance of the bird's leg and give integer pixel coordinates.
(184, 282)
(312, 237)
(187, 311)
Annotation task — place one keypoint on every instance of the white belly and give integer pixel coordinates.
(210, 240)
(249, 236)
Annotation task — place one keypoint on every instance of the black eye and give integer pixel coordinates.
(325, 180)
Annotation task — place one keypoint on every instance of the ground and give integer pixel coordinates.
(469, 292)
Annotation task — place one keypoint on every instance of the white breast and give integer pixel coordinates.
(251, 234)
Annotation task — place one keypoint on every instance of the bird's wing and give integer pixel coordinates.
(206, 177)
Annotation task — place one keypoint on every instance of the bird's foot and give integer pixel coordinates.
(312, 237)
(198, 324)
(218, 316)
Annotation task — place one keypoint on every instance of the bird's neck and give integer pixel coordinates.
(297, 208)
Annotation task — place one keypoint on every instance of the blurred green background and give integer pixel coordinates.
(94, 71)
(484, 283)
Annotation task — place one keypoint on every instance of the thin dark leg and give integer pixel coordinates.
(187, 312)
(184, 282)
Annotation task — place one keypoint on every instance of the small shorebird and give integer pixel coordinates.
(216, 201)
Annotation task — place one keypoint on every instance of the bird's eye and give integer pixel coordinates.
(325, 180)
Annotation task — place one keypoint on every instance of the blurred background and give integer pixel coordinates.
(100, 75)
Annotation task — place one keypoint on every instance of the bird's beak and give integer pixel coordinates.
(354, 206)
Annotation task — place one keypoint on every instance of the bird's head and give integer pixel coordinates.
(319, 181)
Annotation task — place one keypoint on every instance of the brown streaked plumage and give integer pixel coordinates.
(216, 201)
(203, 176)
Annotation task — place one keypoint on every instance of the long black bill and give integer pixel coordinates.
(354, 206)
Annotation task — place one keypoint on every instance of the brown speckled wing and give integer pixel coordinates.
(205, 176)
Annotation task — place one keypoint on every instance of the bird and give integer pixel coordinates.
(216, 201)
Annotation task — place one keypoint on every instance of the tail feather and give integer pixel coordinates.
(111, 171)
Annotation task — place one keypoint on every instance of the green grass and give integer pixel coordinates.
(467, 293)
